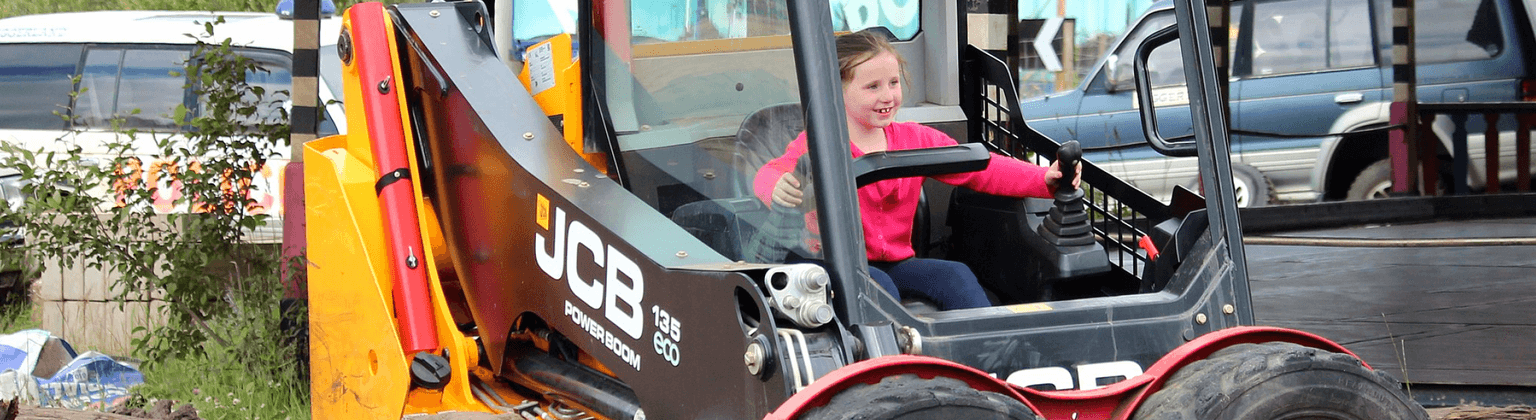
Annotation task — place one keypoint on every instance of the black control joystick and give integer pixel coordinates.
(1068, 154)
(1067, 223)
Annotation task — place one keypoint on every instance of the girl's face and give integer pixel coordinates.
(873, 94)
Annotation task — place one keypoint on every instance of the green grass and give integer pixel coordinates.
(17, 311)
(17, 315)
(221, 388)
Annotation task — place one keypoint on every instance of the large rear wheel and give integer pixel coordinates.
(1279, 381)
(909, 397)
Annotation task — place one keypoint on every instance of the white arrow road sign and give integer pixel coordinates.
(1043, 44)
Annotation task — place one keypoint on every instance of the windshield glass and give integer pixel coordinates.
(537, 20)
(701, 95)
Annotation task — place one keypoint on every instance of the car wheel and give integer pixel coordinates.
(1250, 188)
(1375, 182)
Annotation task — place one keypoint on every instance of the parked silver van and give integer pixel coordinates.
(121, 61)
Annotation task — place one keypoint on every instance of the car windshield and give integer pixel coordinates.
(700, 95)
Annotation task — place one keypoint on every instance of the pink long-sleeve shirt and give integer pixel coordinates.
(887, 207)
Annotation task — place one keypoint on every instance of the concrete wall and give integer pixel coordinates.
(78, 304)
(86, 307)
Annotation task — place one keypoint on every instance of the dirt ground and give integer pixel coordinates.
(1473, 412)
(162, 410)
(1451, 413)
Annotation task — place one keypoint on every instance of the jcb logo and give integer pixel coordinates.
(1089, 375)
(617, 292)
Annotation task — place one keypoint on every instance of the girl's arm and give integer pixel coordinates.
(768, 176)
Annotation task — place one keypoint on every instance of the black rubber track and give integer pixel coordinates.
(1279, 381)
(909, 397)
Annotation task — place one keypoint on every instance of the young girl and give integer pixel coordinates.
(871, 70)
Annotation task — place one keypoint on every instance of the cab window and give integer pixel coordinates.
(534, 21)
(684, 20)
(35, 80)
(856, 15)
(699, 95)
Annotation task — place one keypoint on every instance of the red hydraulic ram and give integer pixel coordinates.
(381, 102)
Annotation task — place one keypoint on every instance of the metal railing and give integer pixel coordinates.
(1524, 116)
(1120, 214)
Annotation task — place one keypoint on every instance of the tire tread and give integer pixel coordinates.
(1204, 389)
(894, 395)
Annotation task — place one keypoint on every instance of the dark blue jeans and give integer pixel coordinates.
(950, 284)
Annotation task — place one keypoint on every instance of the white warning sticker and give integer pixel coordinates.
(541, 68)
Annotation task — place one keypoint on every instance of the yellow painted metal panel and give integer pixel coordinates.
(357, 369)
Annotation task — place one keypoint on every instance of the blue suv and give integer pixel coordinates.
(1310, 88)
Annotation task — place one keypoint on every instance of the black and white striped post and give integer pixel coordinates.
(305, 115)
(1218, 12)
(1404, 147)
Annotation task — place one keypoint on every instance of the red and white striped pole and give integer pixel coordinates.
(1404, 147)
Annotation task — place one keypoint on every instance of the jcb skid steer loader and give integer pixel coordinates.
(580, 240)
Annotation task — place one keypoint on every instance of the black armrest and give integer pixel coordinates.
(893, 164)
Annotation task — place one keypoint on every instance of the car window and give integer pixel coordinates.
(1530, 10)
(275, 77)
(153, 84)
(1164, 66)
(98, 87)
(116, 81)
(1288, 36)
(330, 73)
(1463, 30)
(35, 82)
(1295, 36)
(1349, 34)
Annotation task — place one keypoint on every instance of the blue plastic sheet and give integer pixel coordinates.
(88, 381)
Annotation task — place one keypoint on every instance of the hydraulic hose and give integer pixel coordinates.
(571, 383)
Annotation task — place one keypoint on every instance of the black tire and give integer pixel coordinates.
(1250, 187)
(1376, 180)
(1373, 183)
(909, 397)
(1279, 381)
